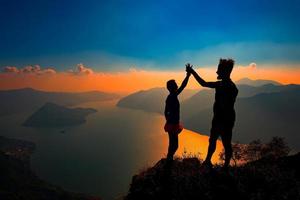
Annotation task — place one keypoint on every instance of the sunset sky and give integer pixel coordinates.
(124, 46)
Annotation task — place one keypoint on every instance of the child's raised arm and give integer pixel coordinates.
(184, 83)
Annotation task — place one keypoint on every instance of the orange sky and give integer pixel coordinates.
(85, 79)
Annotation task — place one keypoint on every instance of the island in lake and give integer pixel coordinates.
(53, 115)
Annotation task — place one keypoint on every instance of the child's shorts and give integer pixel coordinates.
(173, 128)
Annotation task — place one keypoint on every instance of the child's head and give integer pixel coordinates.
(172, 86)
(224, 68)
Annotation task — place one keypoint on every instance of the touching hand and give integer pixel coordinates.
(189, 68)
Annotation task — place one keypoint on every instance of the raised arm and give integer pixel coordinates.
(201, 81)
(184, 83)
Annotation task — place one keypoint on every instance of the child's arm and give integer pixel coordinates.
(201, 81)
(166, 112)
(184, 83)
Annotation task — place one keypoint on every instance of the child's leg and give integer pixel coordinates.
(173, 145)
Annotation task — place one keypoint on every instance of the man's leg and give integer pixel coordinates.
(226, 140)
(212, 145)
(173, 145)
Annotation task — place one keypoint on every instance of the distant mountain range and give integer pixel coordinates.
(53, 115)
(151, 100)
(258, 82)
(261, 116)
(205, 98)
(262, 111)
(27, 99)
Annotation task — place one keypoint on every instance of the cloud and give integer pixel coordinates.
(83, 78)
(49, 71)
(252, 65)
(81, 70)
(11, 69)
(35, 69)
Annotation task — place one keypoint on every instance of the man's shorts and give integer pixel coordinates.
(222, 126)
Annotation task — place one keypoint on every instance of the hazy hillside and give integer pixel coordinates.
(262, 112)
(53, 115)
(27, 99)
(261, 116)
(258, 82)
(205, 98)
(152, 100)
(19, 182)
(192, 101)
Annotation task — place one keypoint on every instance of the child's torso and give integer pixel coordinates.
(173, 105)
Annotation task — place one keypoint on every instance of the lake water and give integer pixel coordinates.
(101, 156)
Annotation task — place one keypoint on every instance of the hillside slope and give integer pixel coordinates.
(19, 182)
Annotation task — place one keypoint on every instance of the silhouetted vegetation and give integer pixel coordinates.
(255, 150)
(272, 179)
(265, 171)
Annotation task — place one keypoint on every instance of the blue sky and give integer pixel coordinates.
(116, 35)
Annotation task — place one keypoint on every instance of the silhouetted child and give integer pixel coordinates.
(172, 113)
(224, 113)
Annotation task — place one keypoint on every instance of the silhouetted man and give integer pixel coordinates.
(224, 113)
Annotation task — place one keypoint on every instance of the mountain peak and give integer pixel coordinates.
(257, 82)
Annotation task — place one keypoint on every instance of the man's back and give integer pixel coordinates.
(226, 93)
